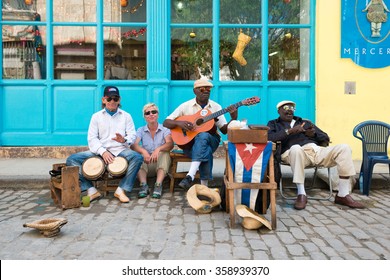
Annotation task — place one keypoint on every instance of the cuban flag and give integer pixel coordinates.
(249, 163)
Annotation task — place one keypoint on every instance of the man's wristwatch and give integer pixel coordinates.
(286, 130)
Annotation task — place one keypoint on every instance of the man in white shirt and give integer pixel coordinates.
(111, 132)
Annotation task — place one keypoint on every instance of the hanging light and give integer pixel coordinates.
(179, 6)
(124, 3)
(28, 2)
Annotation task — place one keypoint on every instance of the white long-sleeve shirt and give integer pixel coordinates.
(103, 128)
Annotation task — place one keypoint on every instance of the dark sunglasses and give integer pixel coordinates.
(153, 112)
(116, 99)
(203, 89)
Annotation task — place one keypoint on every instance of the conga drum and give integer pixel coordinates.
(93, 168)
(118, 167)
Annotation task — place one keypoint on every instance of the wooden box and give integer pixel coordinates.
(65, 189)
(258, 134)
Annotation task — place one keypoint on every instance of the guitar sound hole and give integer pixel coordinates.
(199, 122)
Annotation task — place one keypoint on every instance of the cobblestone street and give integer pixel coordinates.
(170, 229)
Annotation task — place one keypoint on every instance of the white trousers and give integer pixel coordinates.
(299, 157)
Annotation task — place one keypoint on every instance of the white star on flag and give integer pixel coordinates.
(249, 147)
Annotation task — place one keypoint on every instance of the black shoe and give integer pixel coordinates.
(186, 182)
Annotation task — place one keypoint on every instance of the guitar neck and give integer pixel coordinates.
(220, 112)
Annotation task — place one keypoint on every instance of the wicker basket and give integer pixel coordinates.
(48, 227)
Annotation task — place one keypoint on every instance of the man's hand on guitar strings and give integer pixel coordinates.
(186, 125)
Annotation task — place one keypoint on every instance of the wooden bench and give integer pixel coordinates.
(177, 156)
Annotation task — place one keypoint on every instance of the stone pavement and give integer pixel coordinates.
(170, 229)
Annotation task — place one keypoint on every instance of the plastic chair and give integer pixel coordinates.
(374, 136)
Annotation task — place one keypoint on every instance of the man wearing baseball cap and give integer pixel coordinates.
(201, 148)
(111, 132)
(304, 144)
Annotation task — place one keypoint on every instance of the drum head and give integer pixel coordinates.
(118, 167)
(93, 168)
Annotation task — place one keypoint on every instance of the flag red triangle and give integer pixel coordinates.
(249, 153)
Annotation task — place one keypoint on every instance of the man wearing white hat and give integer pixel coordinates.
(201, 148)
(304, 144)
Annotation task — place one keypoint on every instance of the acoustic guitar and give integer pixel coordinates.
(203, 121)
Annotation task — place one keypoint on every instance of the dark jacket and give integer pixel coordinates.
(277, 133)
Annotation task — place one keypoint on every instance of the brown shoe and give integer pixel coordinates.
(122, 197)
(301, 201)
(348, 201)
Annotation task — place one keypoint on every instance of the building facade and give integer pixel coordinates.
(59, 55)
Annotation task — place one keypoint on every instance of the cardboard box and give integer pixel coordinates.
(257, 135)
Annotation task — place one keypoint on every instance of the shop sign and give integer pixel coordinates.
(365, 32)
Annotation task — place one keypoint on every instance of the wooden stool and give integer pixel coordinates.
(176, 157)
(105, 187)
(65, 189)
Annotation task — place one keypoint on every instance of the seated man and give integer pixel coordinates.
(201, 148)
(110, 134)
(156, 143)
(300, 147)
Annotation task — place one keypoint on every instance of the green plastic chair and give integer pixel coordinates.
(374, 136)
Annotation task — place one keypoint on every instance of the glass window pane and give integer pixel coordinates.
(233, 11)
(74, 11)
(191, 53)
(200, 11)
(125, 57)
(289, 54)
(23, 10)
(124, 11)
(289, 11)
(24, 52)
(240, 54)
(74, 52)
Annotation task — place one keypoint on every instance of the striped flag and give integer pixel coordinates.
(249, 163)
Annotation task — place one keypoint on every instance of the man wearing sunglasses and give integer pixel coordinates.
(304, 144)
(111, 132)
(204, 144)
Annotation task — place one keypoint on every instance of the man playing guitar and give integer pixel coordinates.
(203, 143)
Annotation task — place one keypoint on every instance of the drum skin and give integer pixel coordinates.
(93, 168)
(118, 167)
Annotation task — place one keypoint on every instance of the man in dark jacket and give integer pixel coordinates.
(304, 144)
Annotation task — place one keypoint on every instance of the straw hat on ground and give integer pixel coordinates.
(251, 219)
(202, 198)
(48, 227)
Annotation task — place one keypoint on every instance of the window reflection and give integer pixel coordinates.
(191, 53)
(74, 11)
(24, 46)
(185, 11)
(241, 12)
(289, 11)
(74, 52)
(288, 54)
(240, 54)
(125, 59)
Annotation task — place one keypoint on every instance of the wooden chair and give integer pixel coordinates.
(177, 156)
(268, 184)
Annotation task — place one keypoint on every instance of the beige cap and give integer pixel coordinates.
(284, 102)
(202, 83)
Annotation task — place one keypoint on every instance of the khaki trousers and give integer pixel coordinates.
(299, 157)
(163, 162)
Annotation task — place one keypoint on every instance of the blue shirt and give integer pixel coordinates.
(149, 143)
